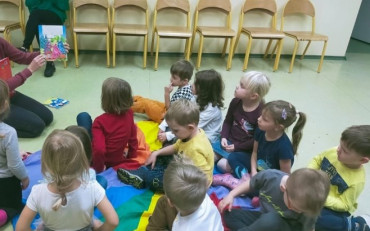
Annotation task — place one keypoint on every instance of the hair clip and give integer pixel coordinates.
(297, 112)
(284, 114)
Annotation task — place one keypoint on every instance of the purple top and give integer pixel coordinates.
(239, 125)
(20, 57)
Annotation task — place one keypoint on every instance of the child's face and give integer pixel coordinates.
(349, 158)
(181, 132)
(176, 81)
(242, 91)
(266, 122)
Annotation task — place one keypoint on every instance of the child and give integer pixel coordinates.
(241, 119)
(67, 201)
(272, 146)
(208, 89)
(181, 73)
(13, 173)
(344, 166)
(115, 129)
(186, 187)
(84, 137)
(287, 202)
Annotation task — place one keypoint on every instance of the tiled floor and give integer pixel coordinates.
(336, 98)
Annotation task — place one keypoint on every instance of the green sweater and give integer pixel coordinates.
(59, 7)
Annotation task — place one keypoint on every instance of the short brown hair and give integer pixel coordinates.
(182, 68)
(183, 112)
(84, 136)
(116, 96)
(309, 189)
(357, 138)
(4, 100)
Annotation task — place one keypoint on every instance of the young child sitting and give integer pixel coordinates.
(13, 173)
(186, 187)
(344, 166)
(288, 203)
(113, 130)
(67, 200)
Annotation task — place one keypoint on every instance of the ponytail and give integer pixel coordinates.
(297, 131)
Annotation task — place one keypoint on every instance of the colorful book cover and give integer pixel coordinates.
(5, 69)
(52, 39)
(56, 102)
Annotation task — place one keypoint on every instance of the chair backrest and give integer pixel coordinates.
(86, 3)
(223, 6)
(177, 5)
(20, 6)
(300, 7)
(265, 6)
(138, 4)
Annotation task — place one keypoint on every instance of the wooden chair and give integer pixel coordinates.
(130, 29)
(101, 28)
(169, 31)
(223, 6)
(265, 7)
(303, 7)
(8, 25)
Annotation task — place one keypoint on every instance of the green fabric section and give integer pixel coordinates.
(59, 7)
(130, 212)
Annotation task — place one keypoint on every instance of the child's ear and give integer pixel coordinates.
(186, 80)
(192, 126)
(255, 96)
(365, 160)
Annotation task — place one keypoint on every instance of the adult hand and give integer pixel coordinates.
(66, 46)
(36, 63)
(25, 182)
(230, 148)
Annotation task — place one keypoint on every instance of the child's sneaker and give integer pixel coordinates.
(226, 180)
(360, 223)
(129, 178)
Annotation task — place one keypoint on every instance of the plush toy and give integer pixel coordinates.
(155, 110)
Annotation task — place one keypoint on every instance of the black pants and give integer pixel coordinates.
(11, 196)
(36, 18)
(27, 116)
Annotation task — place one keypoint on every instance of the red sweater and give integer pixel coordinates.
(111, 135)
(20, 57)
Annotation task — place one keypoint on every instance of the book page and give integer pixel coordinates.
(52, 39)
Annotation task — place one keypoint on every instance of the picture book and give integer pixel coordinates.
(5, 69)
(52, 39)
(56, 102)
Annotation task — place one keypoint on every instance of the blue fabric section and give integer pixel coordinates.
(217, 148)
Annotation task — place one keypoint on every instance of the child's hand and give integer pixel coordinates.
(152, 159)
(226, 203)
(230, 148)
(25, 182)
(162, 137)
(168, 89)
(224, 143)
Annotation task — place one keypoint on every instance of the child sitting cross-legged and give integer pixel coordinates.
(288, 202)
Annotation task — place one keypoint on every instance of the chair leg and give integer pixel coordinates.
(247, 51)
(145, 50)
(229, 59)
(305, 50)
(65, 64)
(322, 56)
(293, 56)
(273, 50)
(277, 58)
(236, 42)
(186, 48)
(152, 47)
(267, 48)
(187, 57)
(200, 49)
(192, 43)
(225, 46)
(108, 56)
(156, 54)
(75, 48)
(114, 37)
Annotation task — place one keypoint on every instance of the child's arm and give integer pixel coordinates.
(285, 165)
(110, 215)
(316, 162)
(167, 91)
(254, 159)
(99, 146)
(227, 202)
(25, 219)
(169, 150)
(132, 142)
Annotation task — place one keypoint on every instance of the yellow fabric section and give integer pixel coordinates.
(150, 130)
(144, 220)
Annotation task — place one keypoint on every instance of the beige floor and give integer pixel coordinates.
(336, 98)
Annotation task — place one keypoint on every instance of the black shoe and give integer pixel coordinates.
(129, 178)
(49, 69)
(23, 49)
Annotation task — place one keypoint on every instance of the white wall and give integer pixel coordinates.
(361, 30)
(335, 18)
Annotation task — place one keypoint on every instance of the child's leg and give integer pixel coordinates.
(84, 120)
(163, 216)
(333, 221)
(240, 163)
(10, 198)
(223, 165)
(238, 218)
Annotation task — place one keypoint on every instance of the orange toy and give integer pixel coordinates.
(155, 110)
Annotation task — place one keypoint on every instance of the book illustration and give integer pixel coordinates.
(52, 39)
(5, 69)
(56, 102)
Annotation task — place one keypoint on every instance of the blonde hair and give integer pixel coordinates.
(308, 188)
(257, 82)
(116, 96)
(183, 112)
(4, 100)
(63, 160)
(185, 185)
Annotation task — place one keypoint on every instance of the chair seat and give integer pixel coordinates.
(130, 29)
(263, 33)
(213, 31)
(9, 24)
(91, 28)
(306, 36)
(174, 31)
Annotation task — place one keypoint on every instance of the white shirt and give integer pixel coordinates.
(75, 215)
(205, 218)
